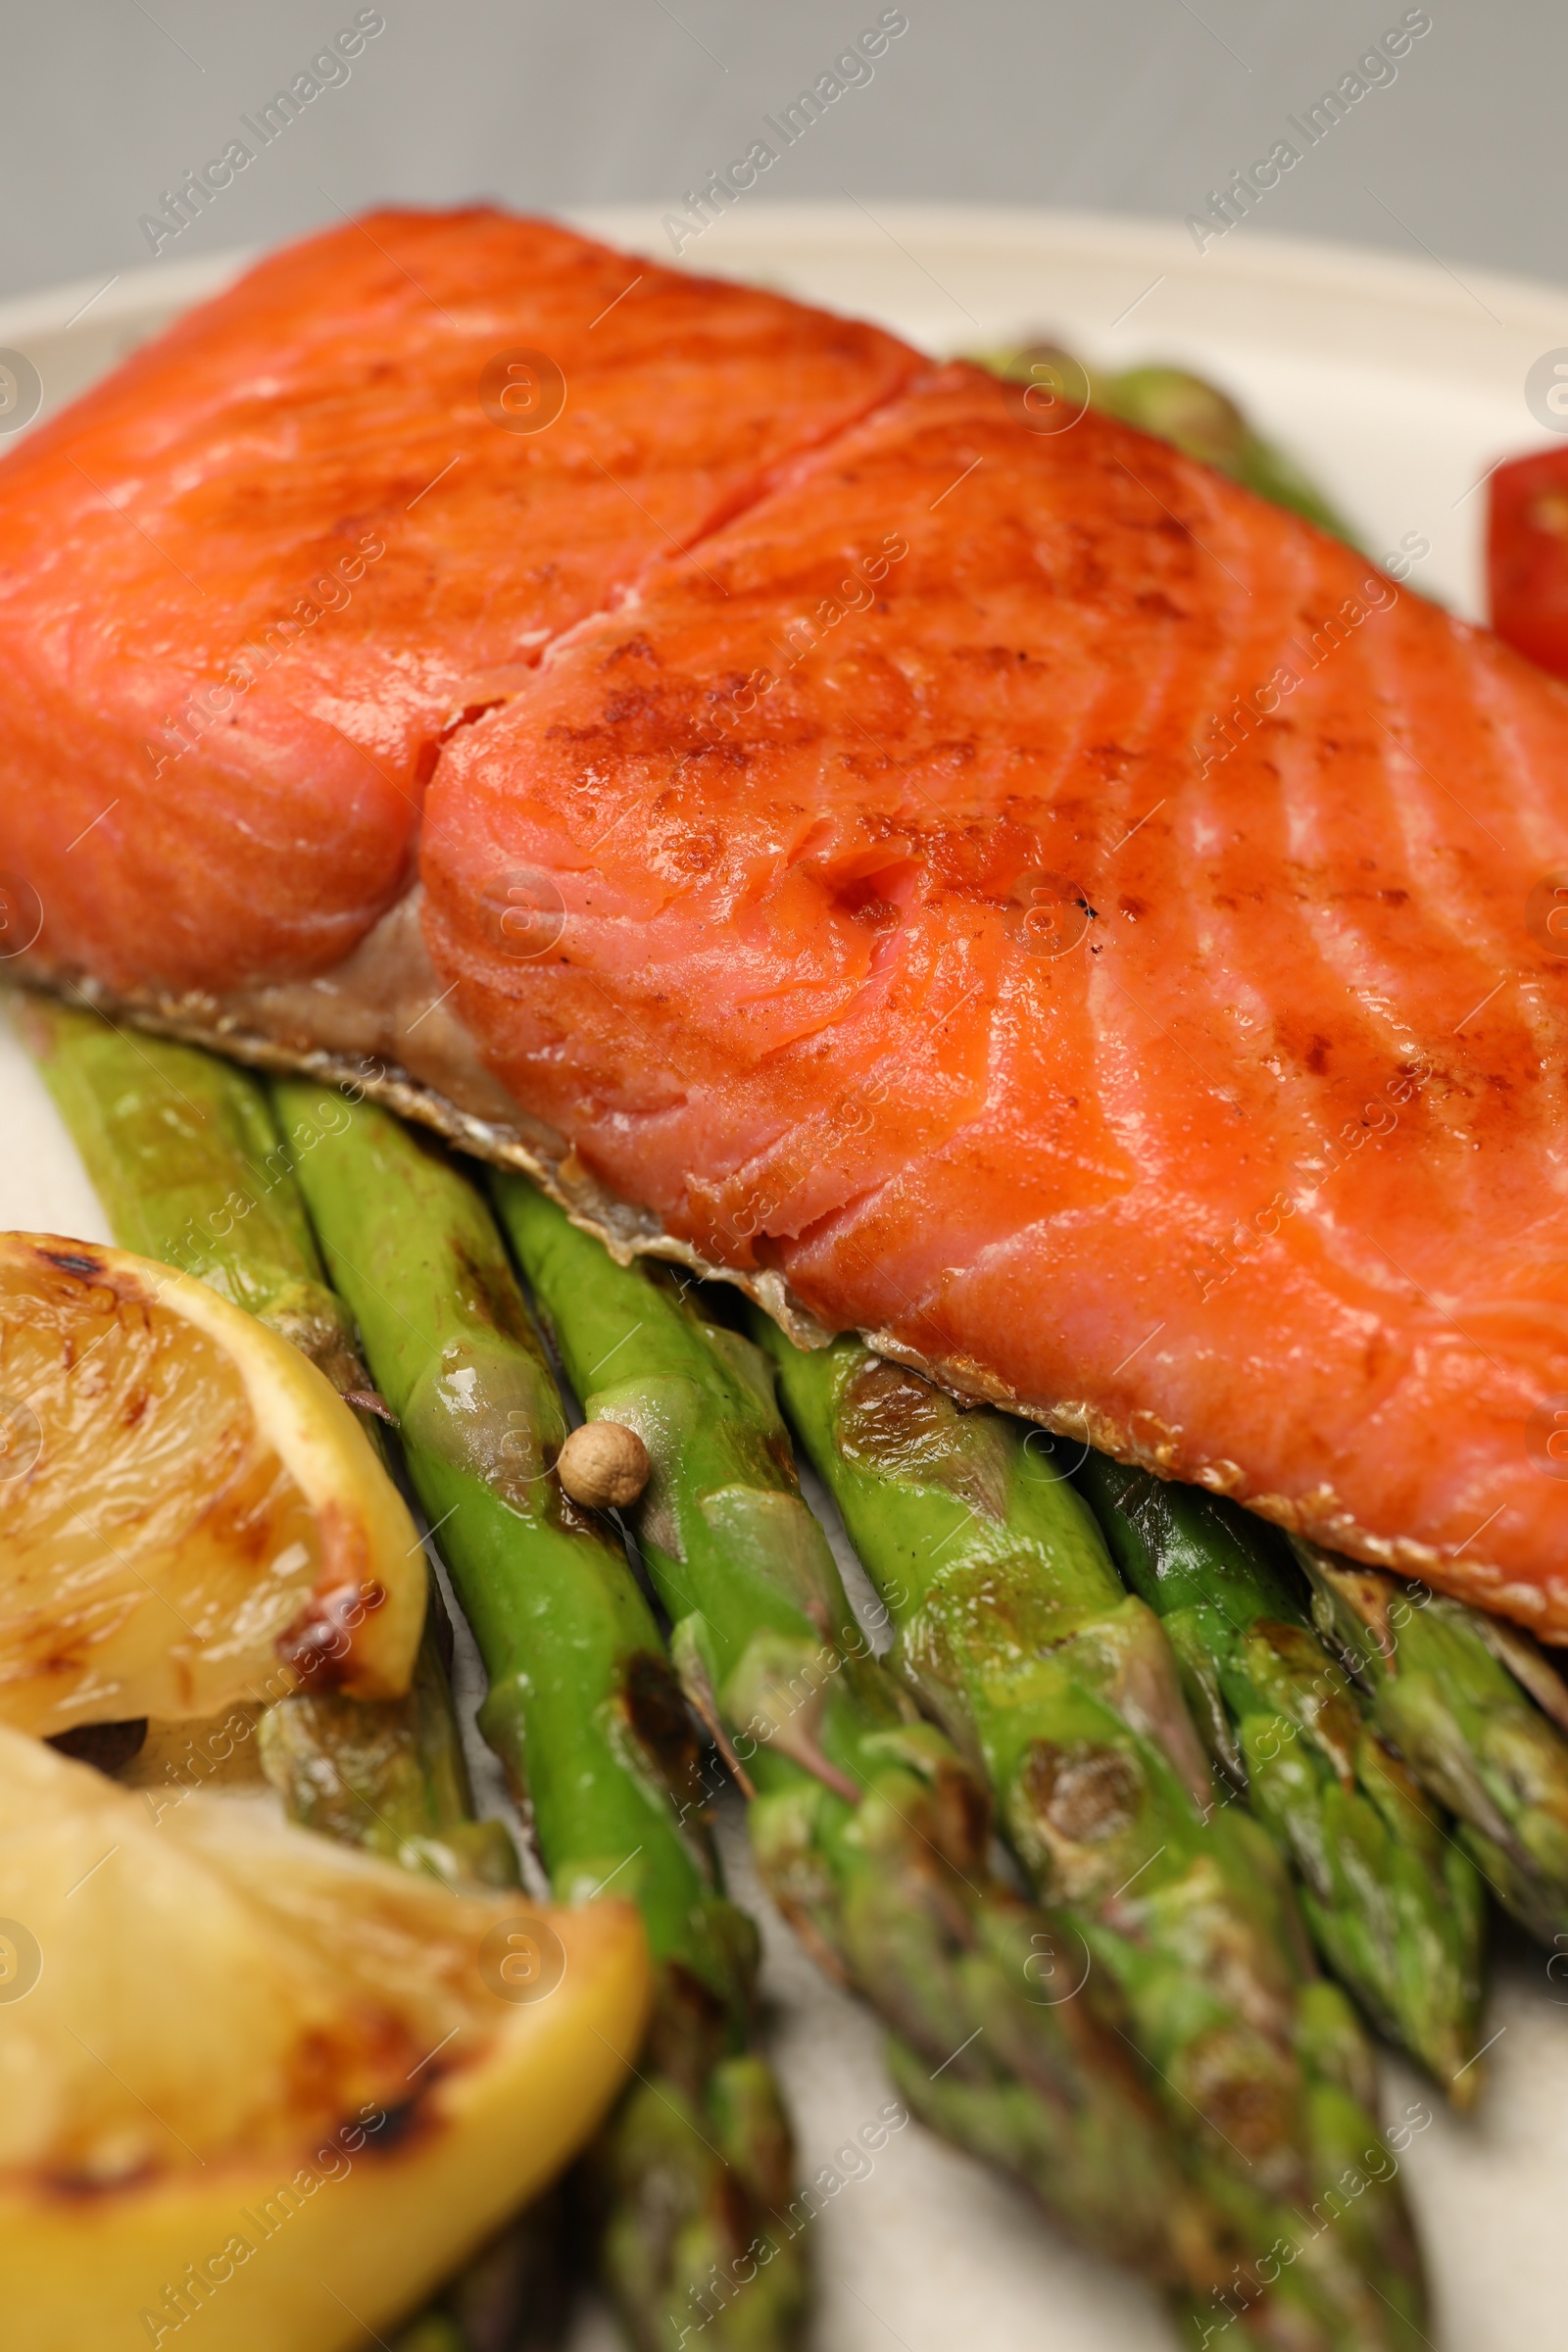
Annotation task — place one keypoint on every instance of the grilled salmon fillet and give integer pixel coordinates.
(1013, 892)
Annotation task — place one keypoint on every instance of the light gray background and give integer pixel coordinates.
(1126, 105)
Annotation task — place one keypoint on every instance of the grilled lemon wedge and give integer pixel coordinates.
(189, 1515)
(255, 2080)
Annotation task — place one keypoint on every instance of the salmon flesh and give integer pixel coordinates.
(962, 870)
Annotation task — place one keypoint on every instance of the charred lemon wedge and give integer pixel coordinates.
(258, 2081)
(189, 1514)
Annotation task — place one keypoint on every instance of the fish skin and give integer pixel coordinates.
(1261, 1179)
(326, 405)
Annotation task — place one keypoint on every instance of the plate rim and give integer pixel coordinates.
(1268, 261)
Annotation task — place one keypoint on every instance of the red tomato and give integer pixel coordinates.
(1527, 556)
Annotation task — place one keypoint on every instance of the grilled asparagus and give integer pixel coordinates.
(1477, 1712)
(1015, 1632)
(1396, 1909)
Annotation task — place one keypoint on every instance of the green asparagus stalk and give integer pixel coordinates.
(185, 1155)
(187, 1160)
(1194, 416)
(1012, 1630)
(388, 1775)
(585, 1713)
(1478, 1714)
(1396, 1908)
(869, 1827)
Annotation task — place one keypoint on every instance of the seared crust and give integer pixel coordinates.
(629, 1232)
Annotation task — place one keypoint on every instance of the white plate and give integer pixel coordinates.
(1397, 385)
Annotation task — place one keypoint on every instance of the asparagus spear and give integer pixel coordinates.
(1396, 1908)
(387, 1775)
(587, 1717)
(185, 1155)
(1200, 419)
(869, 1827)
(1464, 1698)
(1013, 1630)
